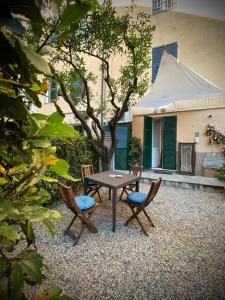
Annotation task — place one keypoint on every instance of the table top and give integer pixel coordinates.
(109, 179)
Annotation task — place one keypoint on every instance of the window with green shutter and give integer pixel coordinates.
(169, 142)
(123, 134)
(147, 151)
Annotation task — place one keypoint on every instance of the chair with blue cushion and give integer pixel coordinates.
(82, 206)
(138, 201)
(134, 170)
(92, 188)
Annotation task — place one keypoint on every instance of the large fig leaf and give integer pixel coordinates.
(31, 264)
(16, 282)
(8, 231)
(56, 127)
(61, 168)
(37, 61)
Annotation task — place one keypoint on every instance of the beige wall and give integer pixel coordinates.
(188, 123)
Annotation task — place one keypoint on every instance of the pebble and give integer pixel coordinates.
(183, 257)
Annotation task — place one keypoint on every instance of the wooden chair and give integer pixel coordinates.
(82, 206)
(138, 201)
(87, 170)
(134, 170)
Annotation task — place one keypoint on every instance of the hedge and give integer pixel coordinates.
(76, 151)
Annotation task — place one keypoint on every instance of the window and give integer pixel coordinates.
(76, 89)
(157, 53)
(52, 93)
(162, 5)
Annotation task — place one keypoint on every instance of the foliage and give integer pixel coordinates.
(135, 151)
(76, 151)
(217, 136)
(26, 153)
(102, 36)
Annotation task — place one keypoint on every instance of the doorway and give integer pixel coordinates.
(157, 143)
(160, 140)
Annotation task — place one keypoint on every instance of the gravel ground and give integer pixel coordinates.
(183, 257)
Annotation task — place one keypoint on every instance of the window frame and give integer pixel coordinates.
(49, 98)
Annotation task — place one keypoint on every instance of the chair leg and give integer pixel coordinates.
(86, 224)
(91, 226)
(147, 216)
(139, 222)
(79, 235)
(121, 194)
(71, 223)
(135, 216)
(97, 191)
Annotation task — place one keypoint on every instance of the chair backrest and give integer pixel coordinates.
(153, 191)
(86, 170)
(136, 170)
(67, 195)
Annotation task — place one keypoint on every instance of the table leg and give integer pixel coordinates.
(114, 202)
(137, 186)
(85, 186)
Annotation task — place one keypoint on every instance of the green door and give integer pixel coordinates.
(147, 151)
(123, 133)
(169, 142)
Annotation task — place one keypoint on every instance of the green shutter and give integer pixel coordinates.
(123, 133)
(147, 153)
(169, 143)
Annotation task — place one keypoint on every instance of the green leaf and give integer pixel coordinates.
(40, 117)
(31, 264)
(55, 127)
(49, 179)
(64, 36)
(51, 228)
(72, 14)
(8, 231)
(28, 232)
(13, 108)
(37, 213)
(6, 88)
(35, 87)
(37, 29)
(29, 9)
(36, 60)
(7, 211)
(3, 180)
(17, 169)
(33, 97)
(4, 278)
(40, 143)
(16, 282)
(61, 168)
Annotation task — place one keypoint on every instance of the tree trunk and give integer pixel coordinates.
(105, 161)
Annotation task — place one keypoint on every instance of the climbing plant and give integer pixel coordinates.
(217, 136)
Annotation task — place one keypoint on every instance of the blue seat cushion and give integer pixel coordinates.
(84, 202)
(137, 197)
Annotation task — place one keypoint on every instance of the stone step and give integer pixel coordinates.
(185, 181)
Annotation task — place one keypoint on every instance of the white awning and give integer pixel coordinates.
(175, 82)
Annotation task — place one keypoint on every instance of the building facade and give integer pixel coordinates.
(194, 32)
(198, 41)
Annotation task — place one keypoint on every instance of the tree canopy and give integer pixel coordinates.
(109, 39)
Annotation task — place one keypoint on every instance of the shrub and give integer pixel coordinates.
(76, 151)
(135, 151)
